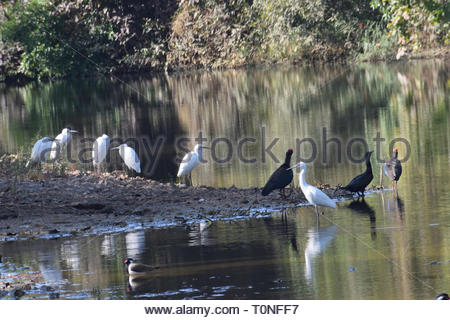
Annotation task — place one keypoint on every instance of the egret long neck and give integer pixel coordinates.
(302, 179)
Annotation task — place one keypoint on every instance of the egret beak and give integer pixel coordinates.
(73, 131)
(115, 148)
(294, 166)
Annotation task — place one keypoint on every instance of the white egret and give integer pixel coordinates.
(41, 150)
(130, 157)
(61, 140)
(190, 161)
(314, 195)
(100, 150)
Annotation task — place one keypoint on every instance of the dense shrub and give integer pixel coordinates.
(217, 33)
(61, 38)
(418, 23)
(55, 38)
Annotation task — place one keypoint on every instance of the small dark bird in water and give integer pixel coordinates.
(280, 178)
(360, 182)
(136, 269)
(442, 296)
(393, 168)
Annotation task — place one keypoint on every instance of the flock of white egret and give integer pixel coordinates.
(51, 148)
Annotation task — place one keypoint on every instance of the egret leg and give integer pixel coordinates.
(381, 176)
(317, 209)
(99, 168)
(317, 215)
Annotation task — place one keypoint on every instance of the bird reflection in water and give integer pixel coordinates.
(139, 284)
(394, 206)
(289, 232)
(199, 233)
(318, 239)
(361, 207)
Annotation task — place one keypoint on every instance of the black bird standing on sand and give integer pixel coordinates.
(393, 168)
(360, 182)
(281, 177)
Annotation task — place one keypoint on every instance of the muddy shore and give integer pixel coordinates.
(87, 203)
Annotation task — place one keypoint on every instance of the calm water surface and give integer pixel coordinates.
(383, 248)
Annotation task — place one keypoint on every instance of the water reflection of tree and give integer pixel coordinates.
(398, 100)
(352, 102)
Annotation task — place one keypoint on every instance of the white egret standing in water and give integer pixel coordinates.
(130, 157)
(100, 150)
(41, 150)
(190, 161)
(314, 195)
(61, 141)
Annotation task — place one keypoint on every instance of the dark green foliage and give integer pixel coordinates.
(51, 42)
(72, 38)
(54, 38)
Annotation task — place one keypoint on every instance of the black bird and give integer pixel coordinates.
(360, 182)
(281, 177)
(442, 296)
(137, 269)
(393, 168)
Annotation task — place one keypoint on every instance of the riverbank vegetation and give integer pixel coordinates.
(47, 39)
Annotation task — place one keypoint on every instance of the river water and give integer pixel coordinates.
(386, 247)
